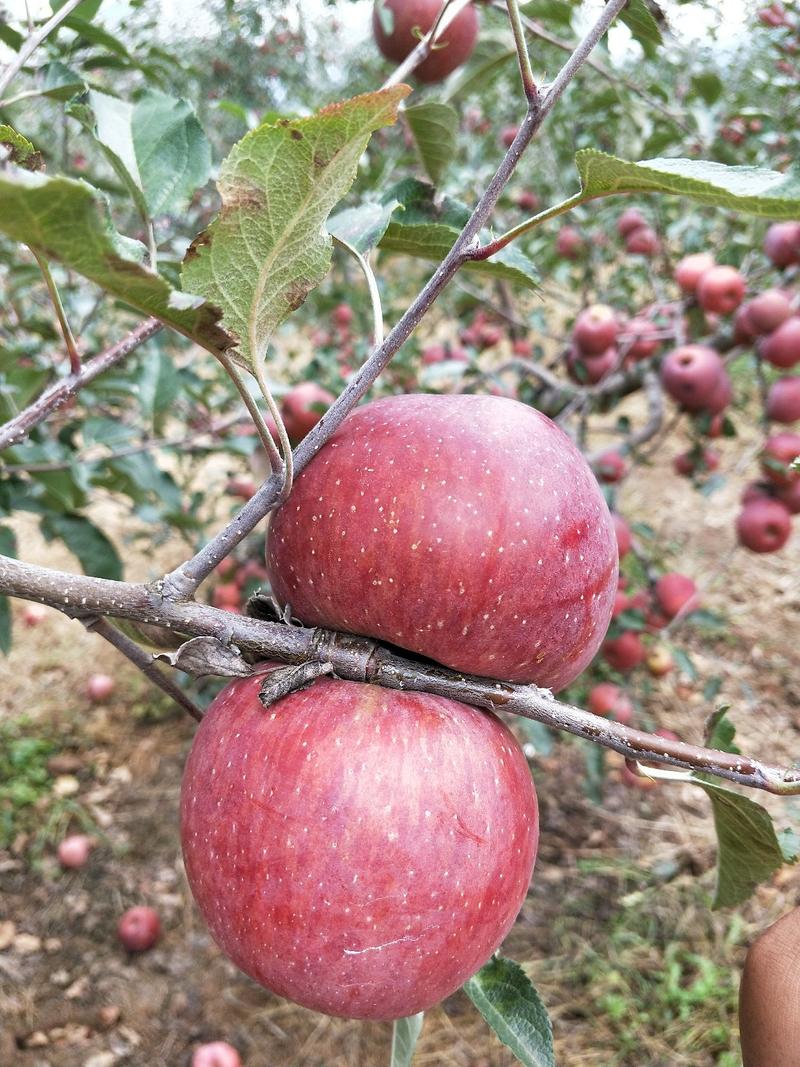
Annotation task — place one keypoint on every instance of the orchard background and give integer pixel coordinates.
(646, 893)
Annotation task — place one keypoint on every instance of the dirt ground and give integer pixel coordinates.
(616, 931)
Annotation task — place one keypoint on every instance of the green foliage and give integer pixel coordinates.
(405, 1033)
(434, 127)
(24, 778)
(508, 1001)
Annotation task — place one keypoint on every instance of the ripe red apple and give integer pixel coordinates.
(721, 290)
(691, 269)
(643, 241)
(757, 491)
(783, 400)
(522, 347)
(33, 614)
(623, 532)
(779, 452)
(397, 24)
(588, 370)
(691, 374)
(676, 593)
(595, 329)
(789, 495)
(303, 407)
(721, 395)
(643, 340)
(569, 243)
(694, 461)
(243, 488)
(630, 219)
(782, 243)
(621, 603)
(769, 310)
(610, 701)
(507, 135)
(433, 354)
(489, 335)
(610, 467)
(99, 687)
(74, 851)
(139, 928)
(216, 1054)
(764, 525)
(782, 347)
(342, 316)
(226, 595)
(625, 652)
(465, 528)
(358, 850)
(743, 329)
(528, 201)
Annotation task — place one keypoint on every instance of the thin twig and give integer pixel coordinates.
(33, 42)
(61, 315)
(525, 69)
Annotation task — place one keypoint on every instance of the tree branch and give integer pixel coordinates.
(33, 42)
(363, 660)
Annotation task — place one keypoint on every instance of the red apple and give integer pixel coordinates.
(643, 241)
(342, 316)
(782, 347)
(303, 407)
(610, 467)
(423, 522)
(783, 400)
(507, 135)
(769, 310)
(226, 595)
(696, 461)
(528, 201)
(588, 370)
(358, 850)
(99, 687)
(569, 243)
(397, 24)
(610, 701)
(33, 614)
(488, 336)
(721, 290)
(779, 452)
(625, 652)
(691, 269)
(595, 329)
(522, 347)
(720, 396)
(676, 593)
(74, 851)
(789, 495)
(630, 219)
(139, 928)
(621, 603)
(623, 532)
(757, 491)
(764, 525)
(433, 354)
(782, 243)
(216, 1054)
(691, 374)
(743, 329)
(243, 488)
(643, 340)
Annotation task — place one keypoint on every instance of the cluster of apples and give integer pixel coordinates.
(603, 340)
(237, 580)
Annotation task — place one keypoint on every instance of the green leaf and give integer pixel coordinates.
(644, 28)
(404, 1039)
(537, 734)
(362, 227)
(159, 384)
(508, 1001)
(59, 81)
(86, 11)
(790, 845)
(96, 35)
(684, 663)
(750, 189)
(434, 127)
(20, 149)
(749, 850)
(708, 86)
(268, 247)
(95, 552)
(69, 221)
(11, 37)
(488, 58)
(559, 11)
(720, 731)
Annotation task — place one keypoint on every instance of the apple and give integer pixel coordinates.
(782, 347)
(720, 396)
(465, 528)
(779, 452)
(507, 135)
(216, 1054)
(595, 329)
(588, 370)
(433, 354)
(643, 339)
(33, 614)
(623, 532)
(743, 329)
(757, 491)
(768, 1020)
(99, 687)
(783, 400)
(488, 336)
(226, 595)
(625, 652)
(528, 201)
(636, 781)
(691, 269)
(610, 467)
(696, 461)
(610, 701)
(676, 593)
(569, 243)
(721, 290)
(691, 374)
(303, 407)
(782, 243)
(764, 525)
(789, 495)
(397, 24)
(630, 219)
(243, 488)
(769, 310)
(139, 928)
(643, 241)
(521, 346)
(74, 851)
(342, 316)
(621, 603)
(359, 850)
(659, 662)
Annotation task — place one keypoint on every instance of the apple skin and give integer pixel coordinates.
(688, 463)
(782, 243)
(99, 687)
(779, 451)
(764, 525)
(789, 496)
(595, 329)
(358, 850)
(507, 135)
(676, 593)
(691, 374)
(585, 369)
(743, 329)
(74, 851)
(630, 219)
(139, 928)
(465, 528)
(782, 347)
(625, 652)
(216, 1054)
(769, 310)
(342, 316)
(303, 407)
(610, 701)
(721, 290)
(528, 201)
(643, 241)
(454, 46)
(644, 340)
(569, 243)
(783, 400)
(691, 269)
(624, 535)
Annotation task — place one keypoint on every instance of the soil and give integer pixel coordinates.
(621, 890)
